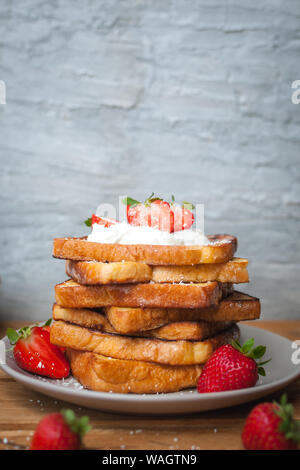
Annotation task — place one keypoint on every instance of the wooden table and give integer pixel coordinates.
(21, 409)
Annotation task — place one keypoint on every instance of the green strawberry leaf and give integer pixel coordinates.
(77, 425)
(152, 198)
(258, 352)
(248, 345)
(48, 322)
(236, 345)
(254, 353)
(88, 222)
(12, 335)
(288, 425)
(128, 201)
(188, 205)
(261, 371)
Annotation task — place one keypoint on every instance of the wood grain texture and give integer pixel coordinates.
(21, 409)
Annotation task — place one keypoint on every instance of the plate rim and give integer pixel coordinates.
(181, 396)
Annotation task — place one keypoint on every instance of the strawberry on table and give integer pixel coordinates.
(232, 367)
(60, 431)
(33, 352)
(271, 426)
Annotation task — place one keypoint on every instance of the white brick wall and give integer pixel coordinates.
(191, 98)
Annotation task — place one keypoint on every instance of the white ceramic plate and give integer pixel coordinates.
(279, 373)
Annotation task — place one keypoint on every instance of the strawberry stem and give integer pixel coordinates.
(78, 425)
(288, 426)
(254, 353)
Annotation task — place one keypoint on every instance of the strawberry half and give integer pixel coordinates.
(271, 426)
(183, 216)
(33, 352)
(232, 367)
(95, 219)
(159, 214)
(60, 431)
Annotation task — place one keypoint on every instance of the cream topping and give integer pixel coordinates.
(126, 234)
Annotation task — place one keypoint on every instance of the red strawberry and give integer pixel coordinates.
(95, 219)
(183, 217)
(103, 221)
(139, 215)
(270, 426)
(48, 328)
(159, 214)
(60, 431)
(154, 212)
(232, 367)
(34, 352)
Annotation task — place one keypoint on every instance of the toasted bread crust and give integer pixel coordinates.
(94, 272)
(71, 294)
(236, 307)
(188, 330)
(220, 250)
(234, 271)
(105, 374)
(141, 349)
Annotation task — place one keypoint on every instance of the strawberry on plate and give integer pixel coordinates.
(232, 367)
(33, 352)
(159, 214)
(271, 426)
(60, 431)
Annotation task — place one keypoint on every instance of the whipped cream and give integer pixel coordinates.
(126, 234)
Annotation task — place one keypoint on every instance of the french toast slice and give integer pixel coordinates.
(235, 307)
(179, 352)
(95, 272)
(189, 330)
(72, 294)
(220, 249)
(106, 374)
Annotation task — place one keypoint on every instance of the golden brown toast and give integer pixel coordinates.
(94, 272)
(189, 330)
(236, 307)
(220, 249)
(71, 294)
(180, 352)
(105, 374)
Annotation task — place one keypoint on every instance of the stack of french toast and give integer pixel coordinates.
(142, 318)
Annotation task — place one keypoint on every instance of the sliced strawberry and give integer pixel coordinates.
(154, 212)
(103, 221)
(183, 218)
(161, 216)
(95, 219)
(139, 215)
(34, 352)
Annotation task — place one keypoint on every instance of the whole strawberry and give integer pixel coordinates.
(232, 367)
(60, 431)
(33, 352)
(270, 426)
